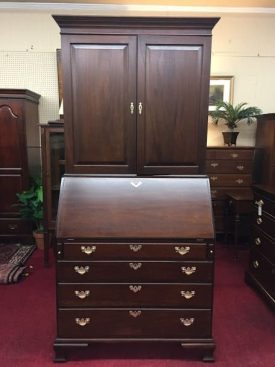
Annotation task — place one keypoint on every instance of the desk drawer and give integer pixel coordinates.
(265, 224)
(125, 251)
(264, 271)
(145, 271)
(235, 180)
(230, 166)
(15, 226)
(229, 153)
(264, 244)
(134, 323)
(135, 295)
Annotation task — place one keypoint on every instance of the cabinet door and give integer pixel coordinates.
(100, 85)
(173, 87)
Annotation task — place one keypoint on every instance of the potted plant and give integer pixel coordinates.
(232, 115)
(30, 203)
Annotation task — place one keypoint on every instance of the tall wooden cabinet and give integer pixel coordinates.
(135, 94)
(19, 155)
(135, 103)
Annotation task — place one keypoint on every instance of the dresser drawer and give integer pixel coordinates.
(134, 323)
(229, 153)
(263, 244)
(126, 251)
(265, 223)
(267, 205)
(219, 193)
(264, 271)
(124, 271)
(235, 180)
(135, 295)
(15, 226)
(228, 166)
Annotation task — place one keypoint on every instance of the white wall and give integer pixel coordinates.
(243, 46)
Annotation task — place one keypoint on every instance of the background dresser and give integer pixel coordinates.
(135, 261)
(229, 169)
(19, 156)
(261, 273)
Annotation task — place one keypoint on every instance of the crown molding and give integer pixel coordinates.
(130, 8)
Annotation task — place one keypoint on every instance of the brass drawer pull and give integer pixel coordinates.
(188, 294)
(88, 250)
(260, 203)
(183, 250)
(213, 178)
(135, 266)
(135, 248)
(135, 288)
(187, 322)
(214, 164)
(240, 168)
(256, 264)
(82, 294)
(259, 221)
(81, 269)
(258, 241)
(234, 155)
(83, 321)
(239, 181)
(188, 270)
(12, 227)
(132, 108)
(134, 313)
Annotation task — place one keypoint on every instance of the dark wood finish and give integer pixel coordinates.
(156, 65)
(120, 286)
(261, 271)
(230, 170)
(53, 163)
(239, 207)
(265, 149)
(19, 156)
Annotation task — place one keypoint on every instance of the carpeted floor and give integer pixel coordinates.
(244, 327)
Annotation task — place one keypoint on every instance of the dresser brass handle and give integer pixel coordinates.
(88, 250)
(82, 321)
(135, 248)
(213, 178)
(234, 155)
(135, 266)
(188, 270)
(12, 227)
(214, 164)
(82, 294)
(256, 264)
(259, 202)
(81, 269)
(258, 241)
(140, 108)
(183, 250)
(187, 294)
(259, 221)
(239, 181)
(187, 322)
(132, 108)
(135, 288)
(240, 168)
(134, 313)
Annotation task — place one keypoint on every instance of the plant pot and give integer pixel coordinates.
(230, 137)
(39, 239)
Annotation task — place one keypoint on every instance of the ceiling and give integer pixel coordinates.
(210, 3)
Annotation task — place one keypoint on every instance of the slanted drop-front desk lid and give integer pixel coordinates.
(135, 207)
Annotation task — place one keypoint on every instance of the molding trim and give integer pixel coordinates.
(107, 8)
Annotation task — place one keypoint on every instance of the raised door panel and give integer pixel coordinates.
(102, 129)
(173, 79)
(9, 185)
(11, 135)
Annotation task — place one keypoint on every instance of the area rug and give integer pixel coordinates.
(12, 259)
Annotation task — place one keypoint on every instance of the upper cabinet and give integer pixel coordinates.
(135, 94)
